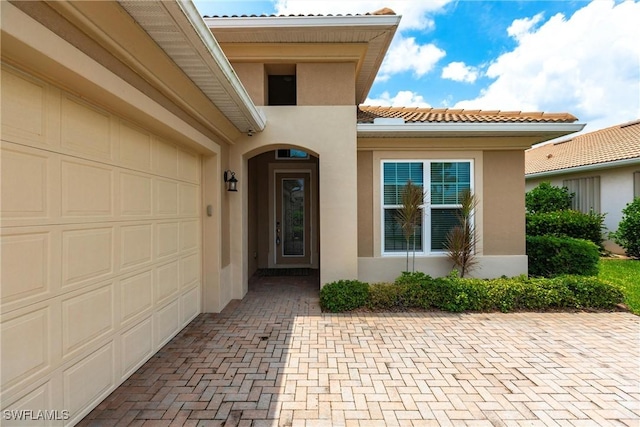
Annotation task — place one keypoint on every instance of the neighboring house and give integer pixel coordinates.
(602, 169)
(120, 120)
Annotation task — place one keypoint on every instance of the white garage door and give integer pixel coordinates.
(100, 248)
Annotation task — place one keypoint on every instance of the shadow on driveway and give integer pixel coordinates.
(273, 359)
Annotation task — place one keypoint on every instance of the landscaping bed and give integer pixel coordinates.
(418, 291)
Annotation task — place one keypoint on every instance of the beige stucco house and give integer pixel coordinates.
(601, 168)
(120, 120)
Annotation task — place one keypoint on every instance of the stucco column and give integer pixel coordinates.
(339, 202)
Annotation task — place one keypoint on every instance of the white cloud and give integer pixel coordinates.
(406, 55)
(460, 72)
(404, 98)
(586, 65)
(520, 27)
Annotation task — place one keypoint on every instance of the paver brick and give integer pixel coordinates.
(273, 359)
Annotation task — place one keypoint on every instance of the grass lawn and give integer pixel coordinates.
(625, 274)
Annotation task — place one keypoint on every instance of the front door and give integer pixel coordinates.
(293, 219)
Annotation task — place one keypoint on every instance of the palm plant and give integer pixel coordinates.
(409, 216)
(462, 239)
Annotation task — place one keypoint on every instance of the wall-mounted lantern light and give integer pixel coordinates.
(230, 179)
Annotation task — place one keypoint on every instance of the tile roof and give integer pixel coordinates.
(619, 142)
(366, 114)
(383, 11)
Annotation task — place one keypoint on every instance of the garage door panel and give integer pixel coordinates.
(136, 246)
(189, 304)
(86, 254)
(89, 380)
(166, 197)
(23, 108)
(25, 345)
(136, 191)
(26, 265)
(165, 159)
(167, 239)
(136, 296)
(135, 147)
(188, 167)
(86, 317)
(87, 189)
(137, 346)
(34, 400)
(24, 182)
(189, 270)
(86, 129)
(167, 281)
(167, 322)
(189, 235)
(189, 200)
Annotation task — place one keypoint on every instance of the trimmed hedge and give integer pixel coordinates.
(343, 295)
(459, 294)
(567, 223)
(551, 256)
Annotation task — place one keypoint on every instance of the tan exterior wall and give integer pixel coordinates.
(366, 204)
(326, 84)
(503, 202)
(498, 184)
(253, 78)
(328, 133)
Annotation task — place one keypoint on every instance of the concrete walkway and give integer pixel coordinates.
(275, 360)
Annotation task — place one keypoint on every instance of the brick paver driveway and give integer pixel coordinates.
(275, 360)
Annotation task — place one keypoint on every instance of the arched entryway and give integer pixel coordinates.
(283, 221)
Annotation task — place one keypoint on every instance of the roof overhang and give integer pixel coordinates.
(585, 168)
(177, 27)
(538, 131)
(373, 32)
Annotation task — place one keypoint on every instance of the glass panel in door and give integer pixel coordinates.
(292, 228)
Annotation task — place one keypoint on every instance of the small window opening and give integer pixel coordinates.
(282, 90)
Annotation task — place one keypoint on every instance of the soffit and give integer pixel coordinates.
(178, 29)
(375, 32)
(168, 45)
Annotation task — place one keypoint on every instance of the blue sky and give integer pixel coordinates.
(581, 57)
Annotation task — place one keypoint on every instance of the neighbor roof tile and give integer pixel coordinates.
(614, 143)
(366, 114)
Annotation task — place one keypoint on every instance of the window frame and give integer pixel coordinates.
(426, 208)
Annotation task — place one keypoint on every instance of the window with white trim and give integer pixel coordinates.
(444, 181)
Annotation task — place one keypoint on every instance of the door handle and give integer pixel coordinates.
(278, 233)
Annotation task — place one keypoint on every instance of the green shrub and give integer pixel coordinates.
(460, 294)
(343, 295)
(591, 292)
(384, 296)
(567, 223)
(410, 278)
(551, 256)
(548, 198)
(628, 233)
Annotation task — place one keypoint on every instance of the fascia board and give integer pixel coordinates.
(304, 21)
(586, 168)
(466, 129)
